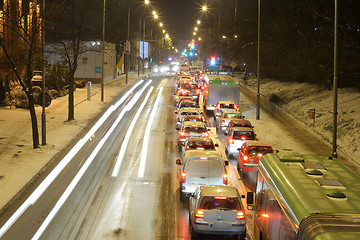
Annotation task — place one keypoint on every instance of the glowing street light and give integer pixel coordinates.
(164, 31)
(235, 36)
(161, 24)
(166, 35)
(195, 28)
(224, 37)
(198, 22)
(156, 16)
(199, 38)
(204, 8)
(194, 33)
(147, 2)
(154, 12)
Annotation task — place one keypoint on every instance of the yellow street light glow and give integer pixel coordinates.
(235, 36)
(154, 12)
(161, 24)
(147, 1)
(167, 36)
(204, 8)
(199, 38)
(195, 28)
(156, 16)
(198, 22)
(194, 33)
(164, 31)
(224, 36)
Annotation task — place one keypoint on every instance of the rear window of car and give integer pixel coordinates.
(212, 167)
(195, 129)
(189, 113)
(253, 151)
(229, 106)
(242, 125)
(192, 119)
(210, 203)
(232, 115)
(206, 145)
(188, 104)
(241, 134)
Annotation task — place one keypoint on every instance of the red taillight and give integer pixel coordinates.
(231, 141)
(240, 215)
(265, 215)
(206, 134)
(197, 91)
(182, 134)
(183, 177)
(246, 158)
(199, 213)
(177, 97)
(223, 123)
(200, 148)
(260, 155)
(243, 138)
(225, 178)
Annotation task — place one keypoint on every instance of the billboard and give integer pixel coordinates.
(146, 49)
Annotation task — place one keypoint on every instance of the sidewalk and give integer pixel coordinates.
(19, 162)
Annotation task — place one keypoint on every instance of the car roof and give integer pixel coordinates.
(184, 90)
(192, 117)
(190, 109)
(199, 139)
(242, 129)
(238, 120)
(189, 123)
(203, 153)
(257, 143)
(218, 190)
(225, 102)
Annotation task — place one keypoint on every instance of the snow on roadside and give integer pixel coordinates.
(298, 98)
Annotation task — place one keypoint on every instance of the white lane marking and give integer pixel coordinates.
(128, 134)
(63, 163)
(79, 175)
(145, 145)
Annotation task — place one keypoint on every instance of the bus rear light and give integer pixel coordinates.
(225, 178)
(240, 215)
(199, 213)
(183, 177)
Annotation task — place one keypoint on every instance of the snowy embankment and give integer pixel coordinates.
(298, 98)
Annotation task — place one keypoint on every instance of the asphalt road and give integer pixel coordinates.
(133, 204)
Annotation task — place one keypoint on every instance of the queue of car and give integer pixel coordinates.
(214, 206)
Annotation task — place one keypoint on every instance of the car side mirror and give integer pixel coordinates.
(178, 161)
(226, 163)
(176, 112)
(242, 196)
(208, 129)
(239, 149)
(216, 145)
(243, 116)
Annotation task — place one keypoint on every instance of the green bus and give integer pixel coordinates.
(308, 197)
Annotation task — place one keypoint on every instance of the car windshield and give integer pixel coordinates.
(244, 135)
(206, 145)
(210, 203)
(253, 151)
(189, 86)
(226, 105)
(232, 115)
(195, 129)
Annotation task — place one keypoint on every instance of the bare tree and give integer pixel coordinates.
(67, 24)
(20, 42)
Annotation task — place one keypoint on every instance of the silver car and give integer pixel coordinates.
(217, 209)
(186, 111)
(225, 117)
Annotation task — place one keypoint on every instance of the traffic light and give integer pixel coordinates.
(212, 61)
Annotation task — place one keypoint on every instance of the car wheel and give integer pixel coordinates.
(194, 235)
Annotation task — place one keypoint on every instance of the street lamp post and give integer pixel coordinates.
(335, 83)
(258, 67)
(103, 53)
(43, 115)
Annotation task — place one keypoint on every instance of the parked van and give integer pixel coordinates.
(201, 168)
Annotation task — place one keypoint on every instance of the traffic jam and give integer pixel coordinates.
(202, 102)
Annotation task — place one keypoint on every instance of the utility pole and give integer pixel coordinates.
(103, 53)
(335, 83)
(43, 114)
(258, 67)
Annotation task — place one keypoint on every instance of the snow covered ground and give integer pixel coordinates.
(298, 98)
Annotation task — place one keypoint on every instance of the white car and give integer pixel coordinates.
(192, 129)
(184, 112)
(201, 168)
(217, 209)
(198, 143)
(225, 117)
(236, 138)
(224, 105)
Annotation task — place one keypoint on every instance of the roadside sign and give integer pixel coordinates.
(47, 99)
(233, 64)
(97, 69)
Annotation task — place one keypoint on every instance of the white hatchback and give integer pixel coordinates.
(217, 209)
